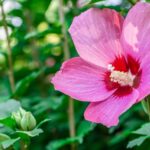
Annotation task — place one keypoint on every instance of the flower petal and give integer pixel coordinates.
(136, 30)
(82, 81)
(144, 86)
(107, 112)
(96, 35)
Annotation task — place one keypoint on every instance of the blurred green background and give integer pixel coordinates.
(38, 40)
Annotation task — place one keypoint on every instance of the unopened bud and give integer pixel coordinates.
(24, 120)
(17, 117)
(22, 111)
(28, 122)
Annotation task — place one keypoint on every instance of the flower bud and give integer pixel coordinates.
(17, 117)
(22, 111)
(24, 120)
(28, 121)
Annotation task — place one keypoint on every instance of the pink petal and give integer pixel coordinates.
(108, 112)
(82, 81)
(144, 86)
(96, 35)
(136, 30)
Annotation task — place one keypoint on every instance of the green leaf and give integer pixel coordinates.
(119, 137)
(54, 145)
(146, 105)
(144, 130)
(37, 35)
(21, 0)
(86, 2)
(34, 5)
(3, 137)
(10, 142)
(9, 122)
(49, 103)
(6, 108)
(95, 1)
(55, 102)
(24, 84)
(84, 128)
(31, 35)
(33, 133)
(42, 122)
(137, 142)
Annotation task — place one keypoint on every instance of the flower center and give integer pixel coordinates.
(123, 78)
(120, 77)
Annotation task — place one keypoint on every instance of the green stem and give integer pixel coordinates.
(23, 146)
(65, 41)
(9, 53)
(67, 56)
(71, 117)
(25, 143)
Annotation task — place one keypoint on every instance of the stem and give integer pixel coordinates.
(9, 53)
(71, 117)
(62, 20)
(23, 146)
(67, 56)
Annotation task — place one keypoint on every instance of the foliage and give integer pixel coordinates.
(22, 124)
(37, 42)
(144, 134)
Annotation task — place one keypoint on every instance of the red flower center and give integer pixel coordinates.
(123, 74)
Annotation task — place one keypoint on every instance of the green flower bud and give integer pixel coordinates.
(24, 120)
(22, 111)
(17, 117)
(28, 121)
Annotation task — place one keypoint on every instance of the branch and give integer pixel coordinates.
(67, 56)
(9, 53)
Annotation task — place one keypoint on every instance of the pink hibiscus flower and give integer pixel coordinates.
(113, 70)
